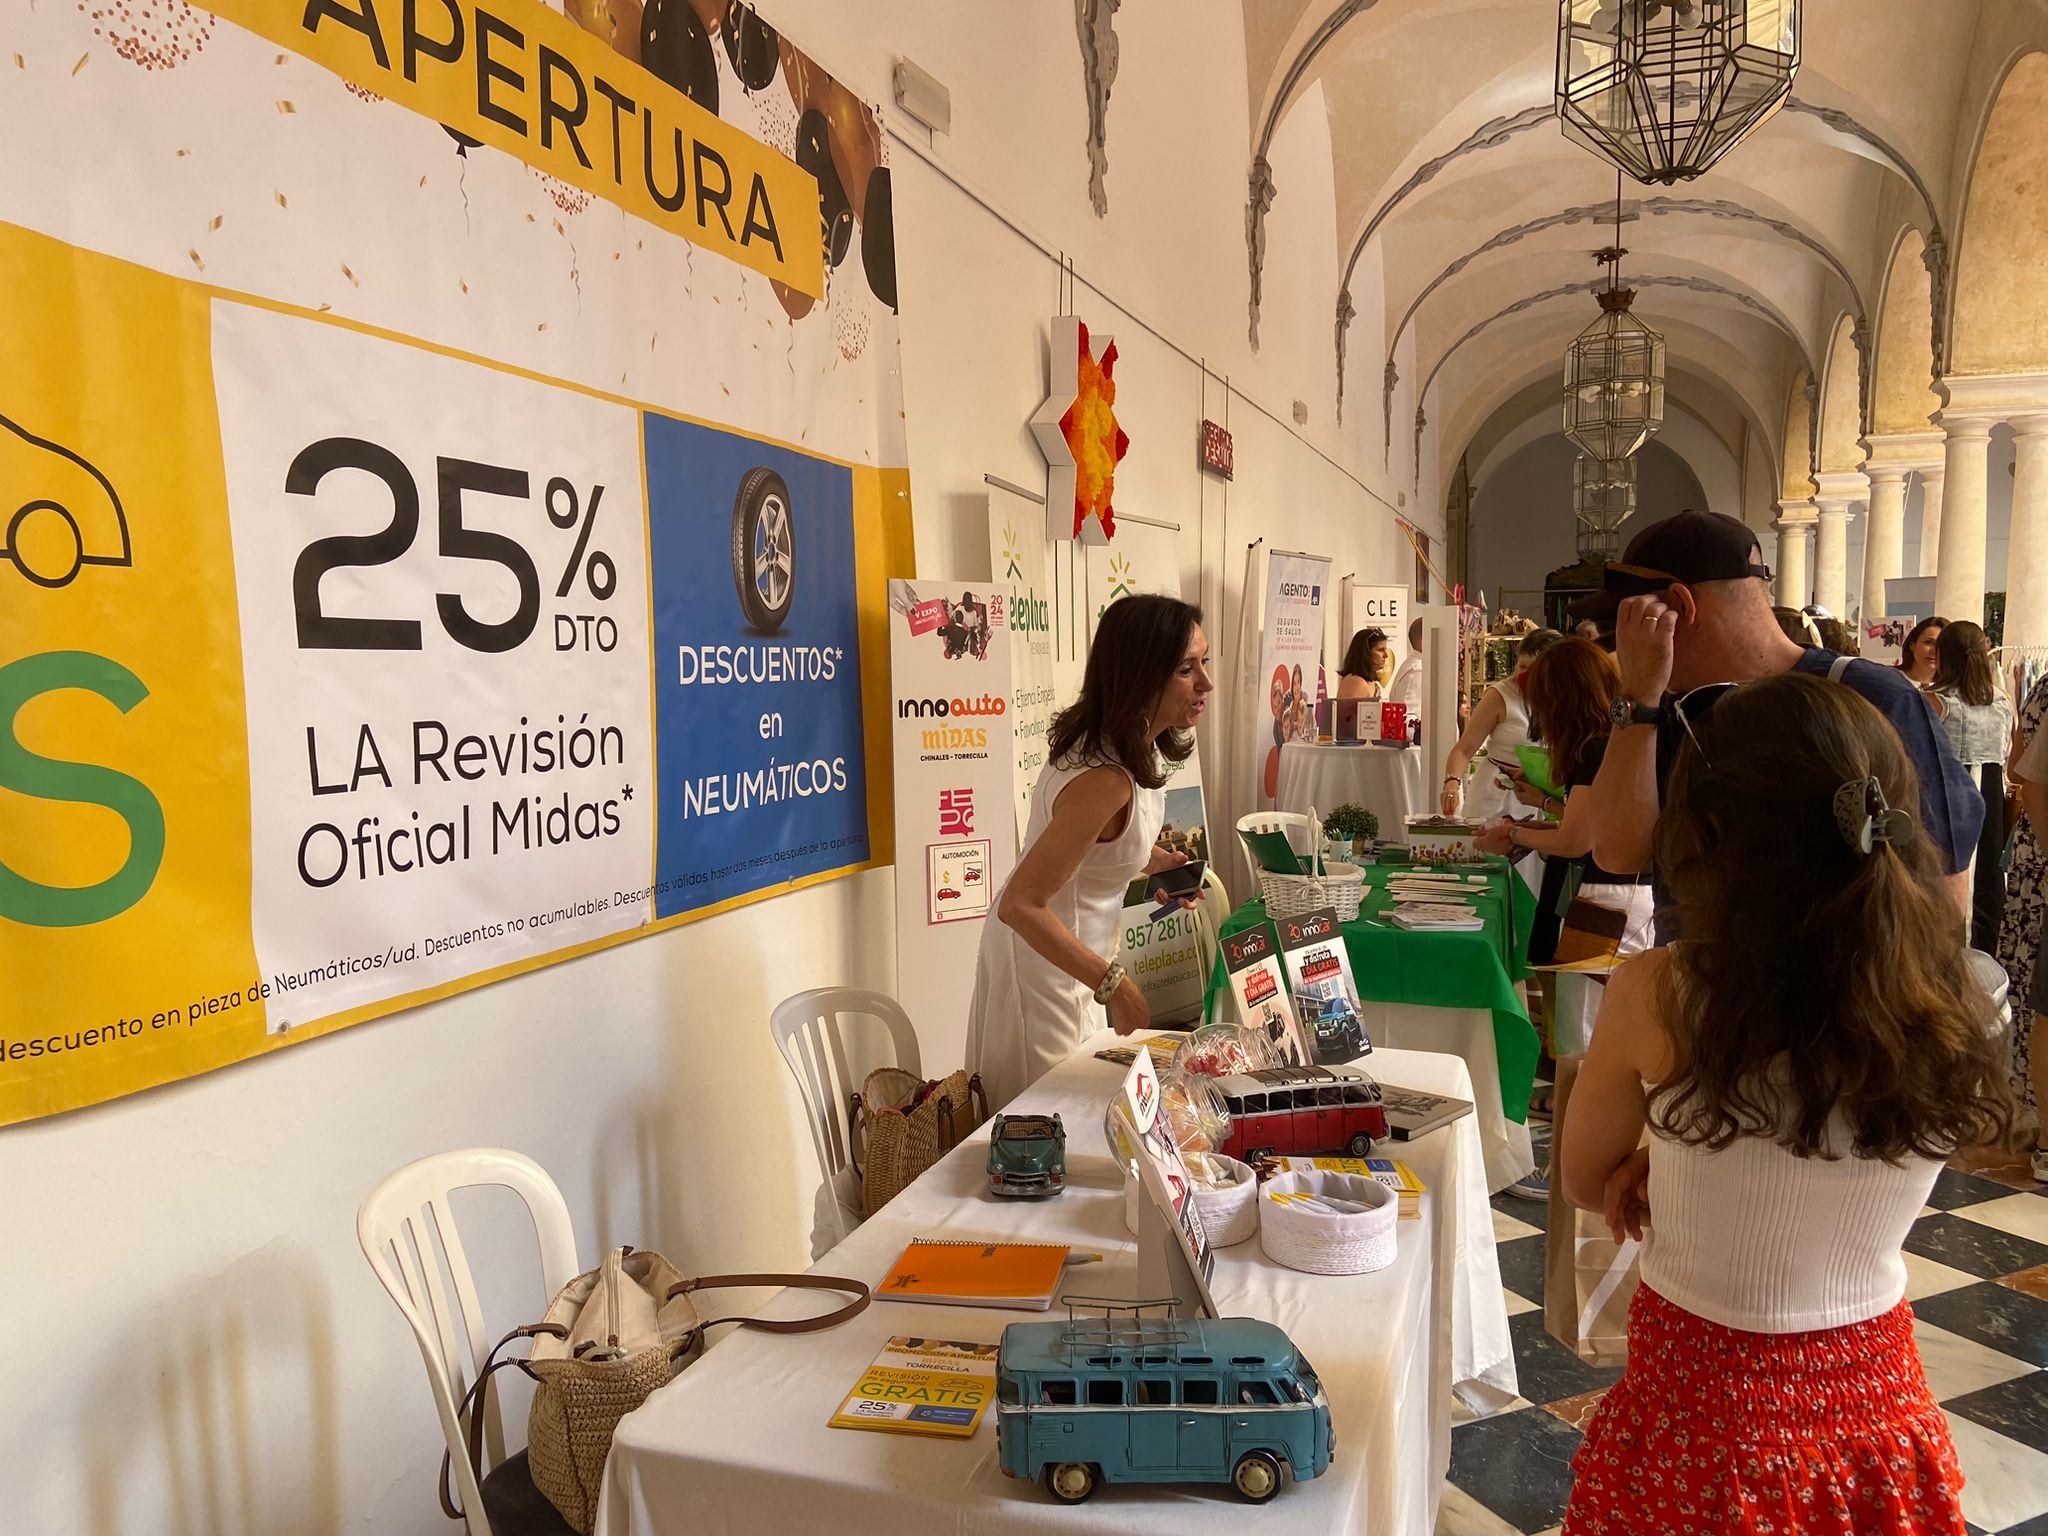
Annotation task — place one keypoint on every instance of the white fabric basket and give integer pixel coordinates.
(1326, 1243)
(1230, 1214)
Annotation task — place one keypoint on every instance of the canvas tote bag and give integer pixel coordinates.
(609, 1338)
(899, 1126)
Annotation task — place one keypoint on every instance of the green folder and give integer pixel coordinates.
(1271, 850)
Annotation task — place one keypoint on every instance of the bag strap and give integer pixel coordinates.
(1838, 667)
(855, 1143)
(856, 1289)
(473, 1404)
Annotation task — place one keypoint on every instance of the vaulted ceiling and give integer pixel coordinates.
(1458, 195)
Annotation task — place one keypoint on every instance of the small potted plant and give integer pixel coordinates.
(1347, 826)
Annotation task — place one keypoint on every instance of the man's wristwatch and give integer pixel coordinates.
(1626, 712)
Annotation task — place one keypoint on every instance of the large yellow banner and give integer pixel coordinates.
(358, 650)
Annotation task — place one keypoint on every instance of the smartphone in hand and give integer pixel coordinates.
(1169, 886)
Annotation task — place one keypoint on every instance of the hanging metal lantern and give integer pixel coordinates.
(1604, 490)
(1603, 498)
(1664, 88)
(1614, 376)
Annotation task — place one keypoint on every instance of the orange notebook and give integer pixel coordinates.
(1022, 1276)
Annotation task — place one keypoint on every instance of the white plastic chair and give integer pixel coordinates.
(400, 1225)
(806, 1030)
(1209, 916)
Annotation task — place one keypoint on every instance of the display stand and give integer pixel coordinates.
(1164, 1267)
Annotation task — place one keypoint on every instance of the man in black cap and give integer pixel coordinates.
(1691, 609)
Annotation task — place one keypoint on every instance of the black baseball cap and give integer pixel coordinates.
(1690, 548)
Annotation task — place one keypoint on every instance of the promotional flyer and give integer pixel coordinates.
(393, 604)
(1017, 550)
(950, 645)
(1289, 676)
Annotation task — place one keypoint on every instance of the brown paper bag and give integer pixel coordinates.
(1588, 1278)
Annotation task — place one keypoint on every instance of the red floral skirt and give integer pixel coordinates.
(1714, 1430)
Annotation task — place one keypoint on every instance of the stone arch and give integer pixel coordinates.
(1900, 396)
(1796, 478)
(2001, 309)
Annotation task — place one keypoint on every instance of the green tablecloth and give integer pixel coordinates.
(1440, 970)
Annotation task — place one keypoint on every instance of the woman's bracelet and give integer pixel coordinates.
(1112, 978)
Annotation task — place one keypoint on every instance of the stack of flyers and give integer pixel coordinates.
(1325, 996)
(1252, 959)
(1437, 917)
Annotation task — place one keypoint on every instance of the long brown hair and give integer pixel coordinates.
(1963, 665)
(1139, 645)
(1570, 689)
(1814, 980)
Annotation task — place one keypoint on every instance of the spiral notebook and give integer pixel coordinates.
(970, 1273)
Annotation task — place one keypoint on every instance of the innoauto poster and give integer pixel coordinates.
(452, 462)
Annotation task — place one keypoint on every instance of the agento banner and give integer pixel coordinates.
(390, 601)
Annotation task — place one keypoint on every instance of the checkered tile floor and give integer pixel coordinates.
(1978, 1265)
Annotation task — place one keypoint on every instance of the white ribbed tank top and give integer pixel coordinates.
(1753, 1237)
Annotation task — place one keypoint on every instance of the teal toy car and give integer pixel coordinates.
(1128, 1398)
(1027, 1156)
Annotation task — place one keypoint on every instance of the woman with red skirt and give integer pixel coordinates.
(1766, 1105)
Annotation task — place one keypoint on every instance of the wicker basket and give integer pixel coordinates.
(1341, 886)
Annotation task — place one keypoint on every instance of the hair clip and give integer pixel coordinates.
(1865, 819)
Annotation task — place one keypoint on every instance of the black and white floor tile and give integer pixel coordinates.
(1977, 1263)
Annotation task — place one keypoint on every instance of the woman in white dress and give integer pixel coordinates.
(1499, 724)
(1046, 969)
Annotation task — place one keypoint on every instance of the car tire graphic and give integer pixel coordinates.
(47, 572)
(764, 549)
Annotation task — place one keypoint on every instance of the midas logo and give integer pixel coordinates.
(44, 778)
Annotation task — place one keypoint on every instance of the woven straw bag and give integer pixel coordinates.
(609, 1338)
(900, 1126)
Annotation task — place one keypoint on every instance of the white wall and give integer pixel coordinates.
(199, 1346)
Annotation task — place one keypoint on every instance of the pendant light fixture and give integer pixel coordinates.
(1662, 89)
(1614, 370)
(1603, 498)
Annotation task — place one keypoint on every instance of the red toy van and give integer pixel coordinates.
(1300, 1111)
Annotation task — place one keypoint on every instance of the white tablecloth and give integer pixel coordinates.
(1466, 1033)
(1388, 781)
(738, 1443)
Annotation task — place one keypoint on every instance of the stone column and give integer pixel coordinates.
(1959, 571)
(1884, 538)
(1931, 479)
(1795, 521)
(1836, 491)
(2026, 561)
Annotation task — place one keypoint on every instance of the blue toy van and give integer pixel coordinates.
(1113, 1395)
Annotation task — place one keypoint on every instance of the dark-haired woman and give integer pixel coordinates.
(1046, 969)
(1978, 719)
(1920, 656)
(1367, 662)
(1805, 1062)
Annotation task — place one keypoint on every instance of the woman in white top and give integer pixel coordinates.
(1978, 720)
(1804, 1063)
(1498, 725)
(1045, 969)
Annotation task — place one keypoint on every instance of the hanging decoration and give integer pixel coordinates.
(1662, 89)
(1614, 369)
(1077, 432)
(1603, 498)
